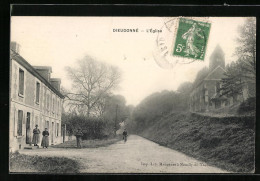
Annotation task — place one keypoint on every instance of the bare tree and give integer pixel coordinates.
(92, 80)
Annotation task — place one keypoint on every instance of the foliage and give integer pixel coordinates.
(92, 81)
(244, 70)
(160, 104)
(247, 106)
(225, 142)
(232, 83)
(92, 127)
(115, 108)
(114, 112)
(25, 163)
(185, 87)
(246, 51)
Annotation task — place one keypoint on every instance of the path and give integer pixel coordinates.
(137, 155)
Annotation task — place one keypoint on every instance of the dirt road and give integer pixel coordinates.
(137, 155)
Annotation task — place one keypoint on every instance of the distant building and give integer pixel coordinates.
(35, 98)
(205, 95)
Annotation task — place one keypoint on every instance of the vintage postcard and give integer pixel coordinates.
(132, 95)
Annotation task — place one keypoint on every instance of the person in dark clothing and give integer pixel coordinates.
(79, 135)
(36, 135)
(125, 135)
(45, 138)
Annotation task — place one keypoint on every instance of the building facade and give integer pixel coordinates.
(35, 98)
(206, 92)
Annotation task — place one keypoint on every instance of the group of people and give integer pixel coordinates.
(36, 137)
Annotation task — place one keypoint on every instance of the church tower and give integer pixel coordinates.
(217, 58)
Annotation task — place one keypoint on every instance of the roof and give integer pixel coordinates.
(34, 72)
(43, 68)
(210, 73)
(55, 79)
(207, 75)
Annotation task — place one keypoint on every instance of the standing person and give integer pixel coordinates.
(45, 138)
(125, 135)
(79, 135)
(36, 135)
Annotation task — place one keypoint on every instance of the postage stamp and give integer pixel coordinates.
(191, 39)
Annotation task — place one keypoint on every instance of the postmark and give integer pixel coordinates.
(171, 45)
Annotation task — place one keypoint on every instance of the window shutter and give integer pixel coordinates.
(21, 81)
(20, 123)
(15, 123)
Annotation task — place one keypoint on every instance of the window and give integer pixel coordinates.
(206, 96)
(53, 101)
(58, 108)
(57, 128)
(21, 82)
(48, 101)
(20, 123)
(47, 125)
(217, 87)
(37, 92)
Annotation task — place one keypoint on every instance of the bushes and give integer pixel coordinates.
(210, 142)
(157, 105)
(248, 106)
(225, 142)
(25, 163)
(92, 128)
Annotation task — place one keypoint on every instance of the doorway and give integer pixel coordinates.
(28, 128)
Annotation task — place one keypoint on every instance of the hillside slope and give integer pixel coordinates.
(224, 142)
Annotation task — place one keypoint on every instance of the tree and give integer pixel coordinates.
(232, 83)
(155, 106)
(115, 110)
(185, 87)
(92, 82)
(244, 70)
(246, 51)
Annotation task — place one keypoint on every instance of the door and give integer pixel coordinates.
(28, 128)
(52, 132)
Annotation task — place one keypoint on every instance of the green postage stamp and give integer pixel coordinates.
(191, 39)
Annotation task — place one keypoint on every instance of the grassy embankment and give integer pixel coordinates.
(89, 143)
(25, 163)
(226, 142)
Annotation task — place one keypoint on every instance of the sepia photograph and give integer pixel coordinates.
(92, 94)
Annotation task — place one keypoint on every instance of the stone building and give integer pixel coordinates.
(205, 95)
(35, 98)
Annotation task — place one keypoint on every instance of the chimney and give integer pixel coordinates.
(55, 82)
(15, 47)
(44, 71)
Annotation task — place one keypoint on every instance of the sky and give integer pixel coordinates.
(61, 41)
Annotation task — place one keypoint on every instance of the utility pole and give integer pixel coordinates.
(116, 118)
